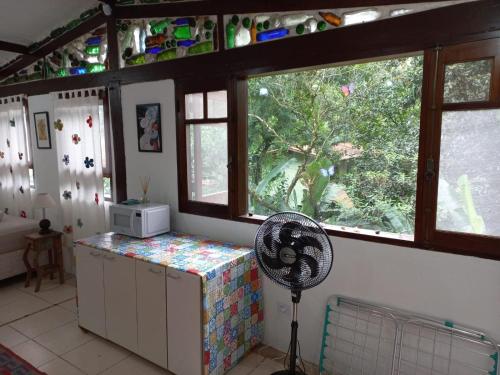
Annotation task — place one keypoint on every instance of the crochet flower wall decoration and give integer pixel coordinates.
(58, 125)
(76, 139)
(88, 162)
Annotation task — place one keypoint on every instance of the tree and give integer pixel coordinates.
(339, 144)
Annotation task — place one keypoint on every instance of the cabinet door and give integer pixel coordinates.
(184, 323)
(90, 284)
(152, 312)
(120, 300)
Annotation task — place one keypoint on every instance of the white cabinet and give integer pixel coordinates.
(120, 300)
(91, 310)
(184, 323)
(152, 312)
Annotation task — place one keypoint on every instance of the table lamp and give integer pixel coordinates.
(43, 201)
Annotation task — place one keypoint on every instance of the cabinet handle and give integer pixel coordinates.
(152, 270)
(95, 254)
(169, 275)
(108, 257)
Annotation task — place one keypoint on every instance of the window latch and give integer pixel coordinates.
(429, 169)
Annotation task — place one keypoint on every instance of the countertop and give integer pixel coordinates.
(181, 251)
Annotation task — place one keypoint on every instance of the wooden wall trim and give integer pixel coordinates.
(120, 175)
(13, 47)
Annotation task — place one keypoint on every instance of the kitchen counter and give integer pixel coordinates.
(231, 289)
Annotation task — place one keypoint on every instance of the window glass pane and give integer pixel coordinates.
(207, 163)
(467, 82)
(194, 106)
(217, 104)
(103, 138)
(469, 172)
(338, 144)
(32, 178)
(108, 188)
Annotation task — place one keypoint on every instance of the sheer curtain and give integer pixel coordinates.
(15, 194)
(78, 135)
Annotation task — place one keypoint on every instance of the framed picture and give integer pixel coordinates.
(42, 130)
(149, 127)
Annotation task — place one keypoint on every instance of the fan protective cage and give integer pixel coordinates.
(293, 250)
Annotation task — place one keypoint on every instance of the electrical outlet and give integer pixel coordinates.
(284, 308)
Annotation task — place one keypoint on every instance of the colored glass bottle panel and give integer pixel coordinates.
(84, 55)
(247, 29)
(143, 41)
(33, 72)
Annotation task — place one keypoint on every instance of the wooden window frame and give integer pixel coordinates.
(185, 87)
(108, 171)
(426, 236)
(430, 144)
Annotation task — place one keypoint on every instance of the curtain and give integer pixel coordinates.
(15, 194)
(78, 136)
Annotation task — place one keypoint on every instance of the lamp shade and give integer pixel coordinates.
(44, 200)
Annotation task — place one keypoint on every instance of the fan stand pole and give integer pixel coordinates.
(292, 370)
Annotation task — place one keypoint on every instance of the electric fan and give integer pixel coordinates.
(294, 251)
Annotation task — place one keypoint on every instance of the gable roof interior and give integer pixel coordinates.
(27, 21)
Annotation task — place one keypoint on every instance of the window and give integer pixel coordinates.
(106, 155)
(338, 144)
(203, 153)
(462, 183)
(400, 150)
(29, 146)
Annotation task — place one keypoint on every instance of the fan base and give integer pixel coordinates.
(288, 372)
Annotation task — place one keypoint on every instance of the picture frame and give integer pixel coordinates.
(42, 130)
(149, 127)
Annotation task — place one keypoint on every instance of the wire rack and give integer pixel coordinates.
(361, 338)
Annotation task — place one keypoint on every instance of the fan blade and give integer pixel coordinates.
(307, 241)
(287, 230)
(268, 240)
(311, 263)
(274, 263)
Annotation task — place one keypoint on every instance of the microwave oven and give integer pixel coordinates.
(140, 220)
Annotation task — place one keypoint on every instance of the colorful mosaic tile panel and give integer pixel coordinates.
(232, 290)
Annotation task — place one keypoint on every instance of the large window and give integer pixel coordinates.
(338, 144)
(400, 150)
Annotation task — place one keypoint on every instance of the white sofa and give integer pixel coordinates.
(12, 244)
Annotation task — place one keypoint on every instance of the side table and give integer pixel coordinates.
(34, 243)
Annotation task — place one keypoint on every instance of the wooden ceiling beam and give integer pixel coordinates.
(209, 7)
(13, 47)
(25, 60)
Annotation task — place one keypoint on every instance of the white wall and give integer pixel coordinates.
(459, 288)
(45, 161)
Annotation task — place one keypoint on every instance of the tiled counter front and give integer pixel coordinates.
(231, 288)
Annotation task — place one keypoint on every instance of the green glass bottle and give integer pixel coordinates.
(138, 59)
(209, 24)
(182, 32)
(204, 47)
(169, 54)
(230, 34)
(96, 68)
(93, 50)
(159, 27)
(62, 72)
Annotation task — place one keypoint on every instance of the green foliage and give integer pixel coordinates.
(361, 119)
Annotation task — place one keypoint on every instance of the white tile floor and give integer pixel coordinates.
(42, 328)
